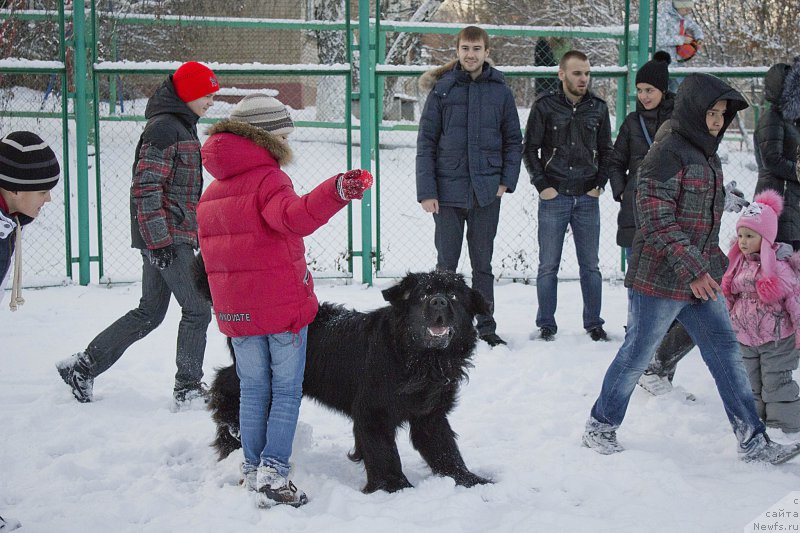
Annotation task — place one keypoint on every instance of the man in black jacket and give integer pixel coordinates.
(567, 152)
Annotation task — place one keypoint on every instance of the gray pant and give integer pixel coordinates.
(481, 230)
(157, 288)
(769, 367)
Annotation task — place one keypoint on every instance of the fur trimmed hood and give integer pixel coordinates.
(430, 77)
(279, 149)
(790, 97)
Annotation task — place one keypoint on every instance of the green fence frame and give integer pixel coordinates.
(371, 31)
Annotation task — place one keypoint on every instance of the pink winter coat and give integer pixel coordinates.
(755, 321)
(251, 228)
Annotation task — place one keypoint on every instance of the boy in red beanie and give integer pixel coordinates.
(166, 186)
(763, 298)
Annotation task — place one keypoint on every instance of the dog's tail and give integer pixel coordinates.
(224, 406)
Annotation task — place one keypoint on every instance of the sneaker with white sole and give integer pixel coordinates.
(275, 489)
(762, 449)
(76, 371)
(655, 384)
(603, 442)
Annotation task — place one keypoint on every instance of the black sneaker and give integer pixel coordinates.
(76, 372)
(492, 339)
(598, 334)
(186, 394)
(547, 334)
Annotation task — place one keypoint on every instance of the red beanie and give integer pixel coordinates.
(194, 80)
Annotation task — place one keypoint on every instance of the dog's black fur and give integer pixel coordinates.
(400, 364)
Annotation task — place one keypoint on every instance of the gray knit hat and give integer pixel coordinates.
(27, 163)
(264, 112)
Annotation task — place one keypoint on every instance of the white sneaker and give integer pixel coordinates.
(764, 450)
(603, 442)
(655, 384)
(275, 489)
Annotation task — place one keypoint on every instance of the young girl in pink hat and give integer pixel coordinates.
(763, 297)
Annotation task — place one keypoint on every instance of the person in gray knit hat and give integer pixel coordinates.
(264, 112)
(251, 227)
(28, 170)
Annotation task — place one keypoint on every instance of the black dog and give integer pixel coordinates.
(399, 364)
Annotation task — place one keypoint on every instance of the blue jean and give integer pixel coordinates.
(709, 325)
(270, 369)
(582, 214)
(481, 229)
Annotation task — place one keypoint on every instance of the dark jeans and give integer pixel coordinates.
(157, 288)
(674, 346)
(481, 230)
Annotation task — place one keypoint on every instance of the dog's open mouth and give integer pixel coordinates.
(439, 331)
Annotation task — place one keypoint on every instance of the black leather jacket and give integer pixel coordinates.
(568, 147)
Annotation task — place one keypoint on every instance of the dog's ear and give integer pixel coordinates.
(399, 293)
(478, 304)
(201, 277)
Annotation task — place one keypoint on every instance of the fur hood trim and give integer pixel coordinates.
(790, 98)
(279, 149)
(430, 77)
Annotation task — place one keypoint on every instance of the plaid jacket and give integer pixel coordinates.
(167, 175)
(680, 196)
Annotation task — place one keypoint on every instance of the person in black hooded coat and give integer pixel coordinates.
(777, 138)
(680, 199)
(653, 107)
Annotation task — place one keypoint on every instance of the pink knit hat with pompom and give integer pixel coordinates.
(760, 216)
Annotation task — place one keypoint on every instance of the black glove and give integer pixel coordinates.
(161, 258)
(734, 198)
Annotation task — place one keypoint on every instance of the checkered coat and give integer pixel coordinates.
(680, 196)
(167, 174)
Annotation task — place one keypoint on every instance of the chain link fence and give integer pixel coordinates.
(404, 232)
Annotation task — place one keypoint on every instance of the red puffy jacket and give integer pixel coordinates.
(251, 228)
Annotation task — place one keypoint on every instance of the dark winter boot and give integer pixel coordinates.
(274, 489)
(763, 450)
(76, 371)
(184, 395)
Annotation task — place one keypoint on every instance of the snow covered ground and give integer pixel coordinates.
(126, 463)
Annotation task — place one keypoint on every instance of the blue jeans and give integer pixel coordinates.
(481, 229)
(270, 368)
(709, 325)
(582, 214)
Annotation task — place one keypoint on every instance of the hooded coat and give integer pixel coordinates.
(629, 150)
(251, 228)
(755, 320)
(167, 174)
(469, 141)
(680, 197)
(776, 141)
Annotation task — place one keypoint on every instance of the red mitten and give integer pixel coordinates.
(352, 184)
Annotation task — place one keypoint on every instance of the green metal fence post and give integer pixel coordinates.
(644, 31)
(62, 56)
(366, 77)
(81, 138)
